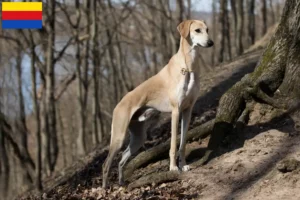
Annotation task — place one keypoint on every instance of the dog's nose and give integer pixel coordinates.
(210, 43)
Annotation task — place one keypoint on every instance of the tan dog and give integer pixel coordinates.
(174, 89)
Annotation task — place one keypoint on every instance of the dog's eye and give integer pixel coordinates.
(198, 30)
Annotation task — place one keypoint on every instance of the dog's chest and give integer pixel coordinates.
(186, 89)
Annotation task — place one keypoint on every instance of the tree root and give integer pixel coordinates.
(166, 176)
(161, 150)
(156, 178)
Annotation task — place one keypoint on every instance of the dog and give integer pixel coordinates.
(174, 89)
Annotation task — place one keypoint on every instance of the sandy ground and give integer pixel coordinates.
(252, 170)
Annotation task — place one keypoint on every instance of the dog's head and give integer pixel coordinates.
(196, 32)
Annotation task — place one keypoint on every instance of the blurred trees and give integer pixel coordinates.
(251, 21)
(60, 84)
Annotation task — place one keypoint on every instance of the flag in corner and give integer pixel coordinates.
(22, 15)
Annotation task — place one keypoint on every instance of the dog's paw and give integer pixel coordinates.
(185, 168)
(174, 168)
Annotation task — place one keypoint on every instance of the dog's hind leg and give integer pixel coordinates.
(120, 123)
(138, 136)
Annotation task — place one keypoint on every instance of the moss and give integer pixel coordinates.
(266, 59)
(231, 103)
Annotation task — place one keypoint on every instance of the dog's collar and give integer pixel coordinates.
(184, 71)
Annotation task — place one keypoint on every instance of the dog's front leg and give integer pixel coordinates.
(175, 120)
(185, 121)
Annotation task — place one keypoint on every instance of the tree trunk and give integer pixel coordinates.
(264, 17)
(36, 111)
(275, 81)
(189, 7)
(97, 116)
(21, 122)
(50, 86)
(235, 22)
(240, 26)
(179, 10)
(222, 14)
(251, 22)
(85, 78)
(227, 32)
(214, 31)
(81, 129)
(272, 12)
(4, 173)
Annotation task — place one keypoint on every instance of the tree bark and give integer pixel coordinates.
(222, 16)
(21, 121)
(214, 30)
(240, 27)
(96, 66)
(227, 33)
(36, 111)
(50, 87)
(251, 22)
(272, 12)
(235, 22)
(4, 174)
(264, 17)
(189, 6)
(97, 116)
(179, 10)
(81, 148)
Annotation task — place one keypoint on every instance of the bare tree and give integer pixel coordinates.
(36, 111)
(189, 6)
(179, 10)
(235, 22)
(97, 125)
(225, 32)
(272, 12)
(251, 22)
(81, 148)
(264, 17)
(240, 26)
(4, 162)
(214, 31)
(50, 86)
(222, 13)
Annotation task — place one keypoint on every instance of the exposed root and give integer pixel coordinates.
(162, 150)
(156, 178)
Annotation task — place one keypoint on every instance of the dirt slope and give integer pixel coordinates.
(261, 162)
(85, 174)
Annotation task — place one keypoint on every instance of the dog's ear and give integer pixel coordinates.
(184, 28)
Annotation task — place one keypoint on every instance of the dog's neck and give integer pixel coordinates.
(188, 53)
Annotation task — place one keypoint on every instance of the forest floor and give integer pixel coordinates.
(261, 162)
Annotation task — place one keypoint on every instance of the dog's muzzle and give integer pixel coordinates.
(210, 43)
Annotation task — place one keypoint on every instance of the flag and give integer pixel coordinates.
(22, 15)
